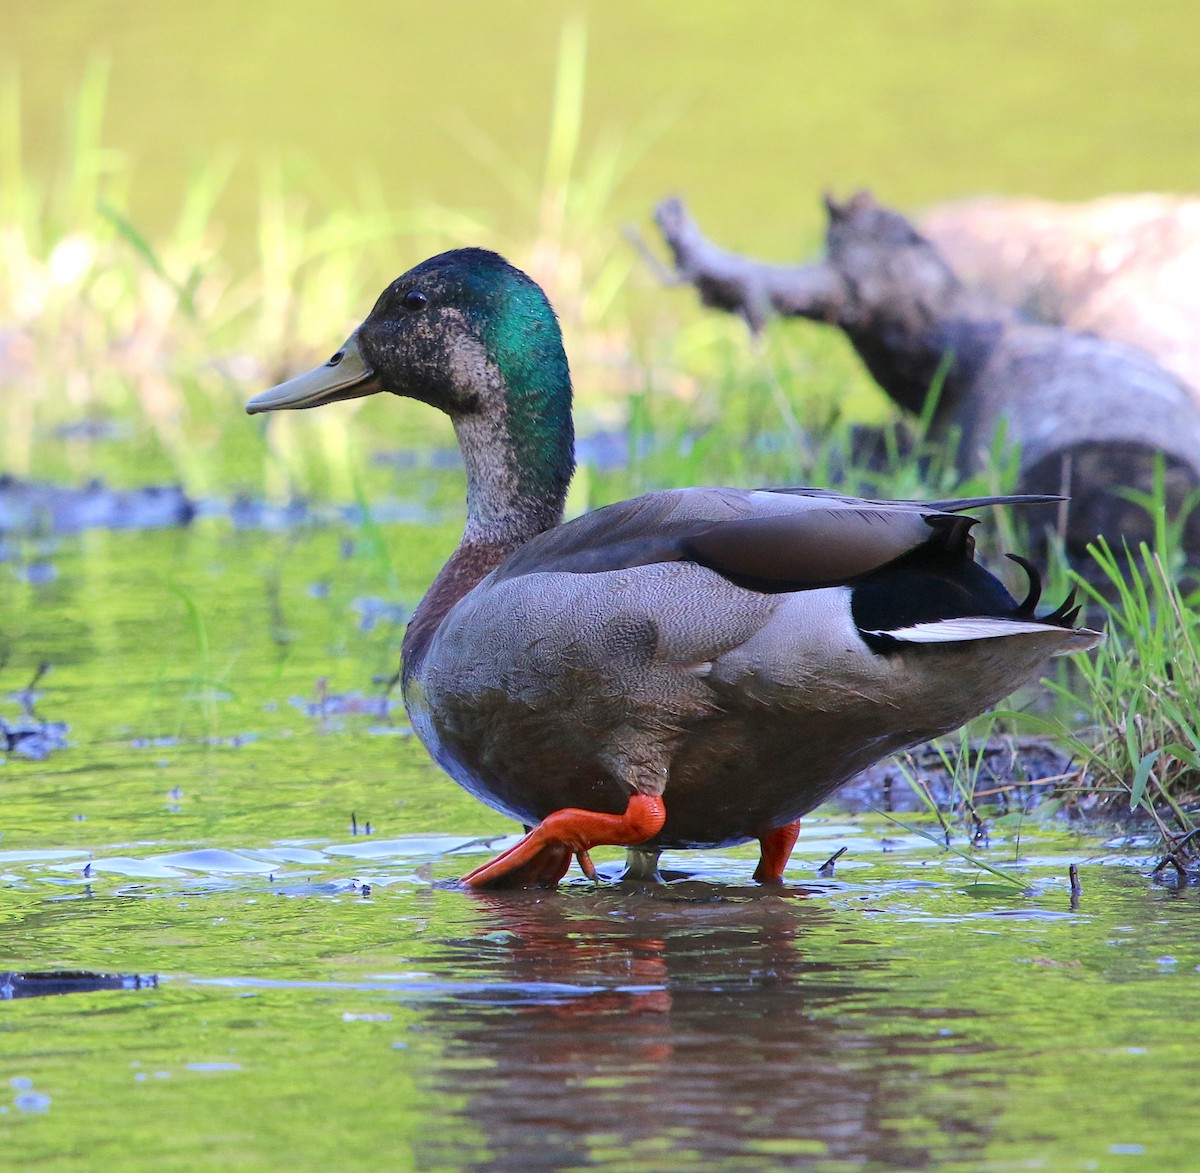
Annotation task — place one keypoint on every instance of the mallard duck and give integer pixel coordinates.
(690, 668)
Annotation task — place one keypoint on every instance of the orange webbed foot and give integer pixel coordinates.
(777, 847)
(541, 859)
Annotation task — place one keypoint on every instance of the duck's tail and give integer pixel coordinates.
(1022, 620)
(969, 629)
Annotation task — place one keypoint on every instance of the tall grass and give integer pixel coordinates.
(168, 337)
(102, 324)
(1139, 694)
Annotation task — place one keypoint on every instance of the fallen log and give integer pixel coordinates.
(1088, 416)
(1126, 267)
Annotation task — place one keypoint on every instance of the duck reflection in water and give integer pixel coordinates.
(691, 1016)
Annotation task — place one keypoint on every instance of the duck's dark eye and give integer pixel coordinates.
(415, 300)
(337, 358)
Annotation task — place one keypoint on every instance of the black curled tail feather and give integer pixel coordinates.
(1026, 609)
(1066, 613)
(1063, 615)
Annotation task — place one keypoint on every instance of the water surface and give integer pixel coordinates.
(298, 994)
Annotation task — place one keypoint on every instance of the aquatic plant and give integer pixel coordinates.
(1138, 693)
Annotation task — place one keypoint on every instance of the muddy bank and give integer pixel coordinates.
(1008, 774)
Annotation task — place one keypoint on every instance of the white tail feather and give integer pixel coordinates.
(945, 631)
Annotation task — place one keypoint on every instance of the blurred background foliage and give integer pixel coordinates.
(196, 201)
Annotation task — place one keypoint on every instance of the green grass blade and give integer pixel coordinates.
(1137, 788)
(145, 250)
(1000, 873)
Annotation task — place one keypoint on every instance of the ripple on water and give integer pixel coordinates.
(142, 869)
(413, 845)
(290, 854)
(423, 987)
(45, 856)
(214, 859)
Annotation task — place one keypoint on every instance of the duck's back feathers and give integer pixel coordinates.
(908, 562)
(789, 538)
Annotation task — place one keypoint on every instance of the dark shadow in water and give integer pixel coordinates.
(38, 985)
(623, 1020)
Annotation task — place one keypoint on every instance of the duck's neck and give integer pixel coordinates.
(519, 458)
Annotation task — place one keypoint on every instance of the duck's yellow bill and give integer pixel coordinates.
(345, 376)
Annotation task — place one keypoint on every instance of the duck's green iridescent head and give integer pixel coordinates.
(470, 334)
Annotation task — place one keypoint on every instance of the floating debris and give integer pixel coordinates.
(1181, 857)
(35, 740)
(327, 704)
(31, 736)
(36, 985)
(32, 506)
(825, 871)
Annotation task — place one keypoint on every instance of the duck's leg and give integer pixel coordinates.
(777, 847)
(641, 865)
(541, 859)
